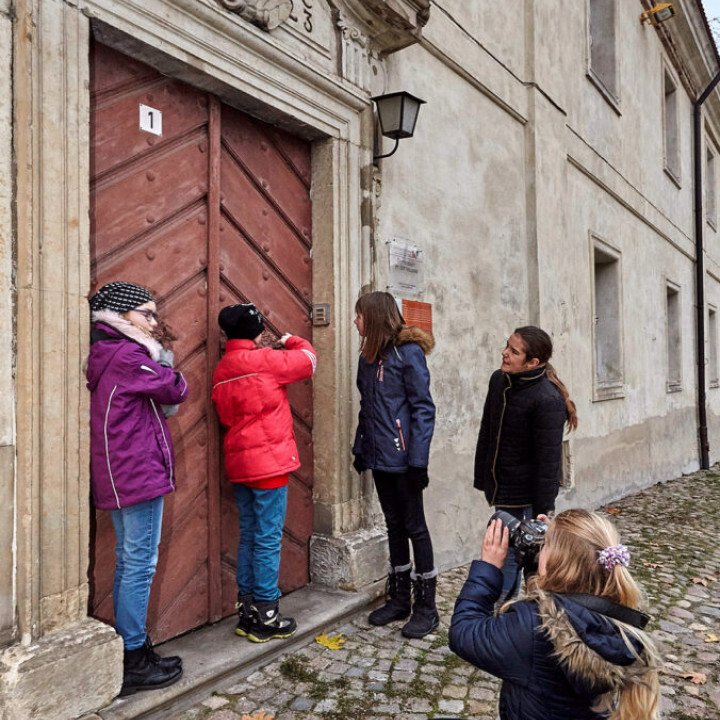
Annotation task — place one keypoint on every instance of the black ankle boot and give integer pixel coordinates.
(141, 673)
(267, 623)
(397, 606)
(425, 616)
(243, 604)
(166, 663)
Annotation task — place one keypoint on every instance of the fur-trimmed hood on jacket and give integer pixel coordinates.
(560, 657)
(598, 656)
(413, 334)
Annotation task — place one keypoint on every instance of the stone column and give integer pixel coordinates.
(46, 674)
(349, 549)
(7, 389)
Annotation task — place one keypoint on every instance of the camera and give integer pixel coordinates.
(526, 538)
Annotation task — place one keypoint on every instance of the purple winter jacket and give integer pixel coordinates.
(131, 455)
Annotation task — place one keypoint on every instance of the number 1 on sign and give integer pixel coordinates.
(150, 120)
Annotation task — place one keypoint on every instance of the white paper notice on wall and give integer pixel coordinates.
(150, 120)
(407, 267)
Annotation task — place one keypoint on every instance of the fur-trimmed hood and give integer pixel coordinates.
(126, 328)
(413, 334)
(598, 655)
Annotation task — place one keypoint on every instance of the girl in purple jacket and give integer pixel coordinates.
(131, 461)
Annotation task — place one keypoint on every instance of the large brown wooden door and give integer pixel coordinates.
(214, 211)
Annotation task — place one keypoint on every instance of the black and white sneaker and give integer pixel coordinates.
(267, 623)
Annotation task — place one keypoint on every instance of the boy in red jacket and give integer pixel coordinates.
(260, 451)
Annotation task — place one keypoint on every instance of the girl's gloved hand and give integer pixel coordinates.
(359, 464)
(417, 477)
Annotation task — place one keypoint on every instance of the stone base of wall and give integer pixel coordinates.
(353, 561)
(62, 676)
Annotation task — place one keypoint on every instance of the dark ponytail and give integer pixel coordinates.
(539, 345)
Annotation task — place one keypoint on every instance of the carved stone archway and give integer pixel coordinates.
(267, 14)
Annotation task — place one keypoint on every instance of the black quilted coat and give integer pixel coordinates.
(519, 448)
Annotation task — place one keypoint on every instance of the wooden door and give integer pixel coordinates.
(214, 211)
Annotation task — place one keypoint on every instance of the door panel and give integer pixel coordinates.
(154, 203)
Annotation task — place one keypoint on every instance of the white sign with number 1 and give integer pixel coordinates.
(150, 120)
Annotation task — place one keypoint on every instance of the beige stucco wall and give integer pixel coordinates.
(517, 159)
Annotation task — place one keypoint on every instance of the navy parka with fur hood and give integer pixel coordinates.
(558, 659)
(397, 413)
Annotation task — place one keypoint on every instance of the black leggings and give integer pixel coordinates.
(405, 520)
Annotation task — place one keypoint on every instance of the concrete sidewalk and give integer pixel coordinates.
(673, 531)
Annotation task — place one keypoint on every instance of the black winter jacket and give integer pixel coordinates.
(558, 659)
(519, 448)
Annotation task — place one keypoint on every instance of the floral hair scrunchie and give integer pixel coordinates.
(614, 555)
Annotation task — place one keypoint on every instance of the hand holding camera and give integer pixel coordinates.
(495, 543)
(526, 537)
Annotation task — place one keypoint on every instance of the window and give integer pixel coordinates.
(674, 354)
(603, 57)
(710, 194)
(714, 375)
(607, 325)
(670, 124)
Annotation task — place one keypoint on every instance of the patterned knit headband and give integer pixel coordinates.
(120, 297)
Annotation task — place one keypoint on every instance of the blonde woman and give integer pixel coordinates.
(574, 647)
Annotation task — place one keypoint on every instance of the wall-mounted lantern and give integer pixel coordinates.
(397, 115)
(659, 13)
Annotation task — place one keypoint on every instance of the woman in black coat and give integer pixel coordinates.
(519, 448)
(574, 648)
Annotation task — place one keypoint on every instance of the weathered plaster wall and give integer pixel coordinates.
(518, 158)
(649, 434)
(7, 301)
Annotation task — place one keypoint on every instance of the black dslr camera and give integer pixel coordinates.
(526, 538)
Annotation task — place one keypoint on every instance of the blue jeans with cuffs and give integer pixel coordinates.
(137, 533)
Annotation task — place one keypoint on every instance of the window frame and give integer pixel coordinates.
(710, 185)
(611, 95)
(712, 354)
(673, 385)
(673, 170)
(606, 390)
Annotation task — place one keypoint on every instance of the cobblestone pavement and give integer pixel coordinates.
(673, 531)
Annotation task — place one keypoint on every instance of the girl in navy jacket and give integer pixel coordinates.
(573, 648)
(395, 427)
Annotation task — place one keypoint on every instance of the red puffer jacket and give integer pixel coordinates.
(251, 401)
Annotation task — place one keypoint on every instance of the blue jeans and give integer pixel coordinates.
(137, 531)
(262, 516)
(511, 571)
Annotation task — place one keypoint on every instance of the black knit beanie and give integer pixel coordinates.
(241, 322)
(120, 297)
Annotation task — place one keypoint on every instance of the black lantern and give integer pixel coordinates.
(397, 115)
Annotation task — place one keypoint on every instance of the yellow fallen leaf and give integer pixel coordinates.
(259, 715)
(697, 678)
(712, 637)
(699, 581)
(651, 564)
(612, 511)
(334, 642)
(711, 578)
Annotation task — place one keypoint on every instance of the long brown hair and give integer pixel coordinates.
(539, 345)
(573, 540)
(382, 322)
